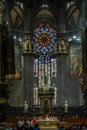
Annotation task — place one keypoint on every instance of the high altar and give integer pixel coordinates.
(46, 95)
(48, 123)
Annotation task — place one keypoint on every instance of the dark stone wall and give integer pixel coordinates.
(68, 87)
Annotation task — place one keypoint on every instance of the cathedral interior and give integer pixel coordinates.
(43, 57)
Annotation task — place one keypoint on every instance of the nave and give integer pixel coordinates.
(43, 62)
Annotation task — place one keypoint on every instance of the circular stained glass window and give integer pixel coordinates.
(45, 39)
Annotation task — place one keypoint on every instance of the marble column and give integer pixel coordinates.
(28, 80)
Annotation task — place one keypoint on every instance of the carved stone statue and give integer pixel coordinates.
(25, 107)
(27, 45)
(66, 106)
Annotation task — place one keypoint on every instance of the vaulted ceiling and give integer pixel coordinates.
(17, 13)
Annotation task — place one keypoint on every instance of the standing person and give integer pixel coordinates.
(28, 122)
(61, 127)
(31, 126)
(34, 121)
(26, 127)
(36, 126)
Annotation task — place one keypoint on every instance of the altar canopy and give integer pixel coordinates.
(46, 95)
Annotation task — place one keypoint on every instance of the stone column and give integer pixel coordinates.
(84, 86)
(28, 80)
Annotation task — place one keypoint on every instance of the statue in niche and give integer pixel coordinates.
(26, 44)
(63, 47)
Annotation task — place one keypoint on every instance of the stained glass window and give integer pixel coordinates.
(45, 38)
(53, 67)
(35, 68)
(45, 67)
(55, 97)
(36, 96)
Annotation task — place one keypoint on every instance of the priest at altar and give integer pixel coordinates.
(50, 117)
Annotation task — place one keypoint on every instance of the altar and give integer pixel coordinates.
(48, 123)
(52, 124)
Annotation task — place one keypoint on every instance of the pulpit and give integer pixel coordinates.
(46, 94)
